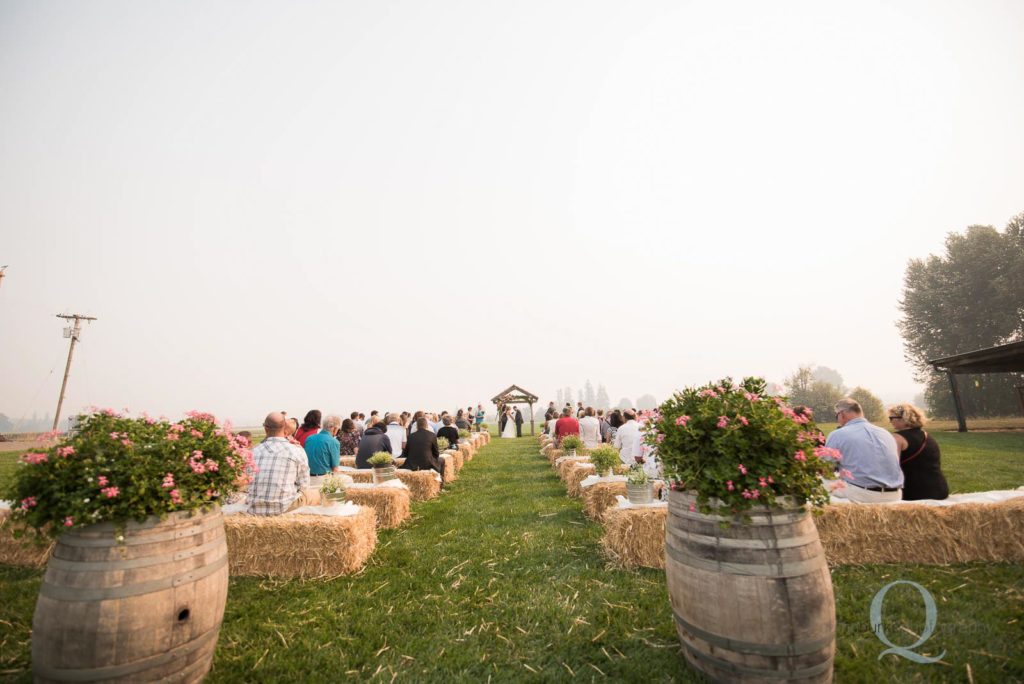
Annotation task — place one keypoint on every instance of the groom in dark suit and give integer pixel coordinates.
(519, 422)
(501, 419)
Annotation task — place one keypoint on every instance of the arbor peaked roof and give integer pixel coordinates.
(510, 393)
(1005, 358)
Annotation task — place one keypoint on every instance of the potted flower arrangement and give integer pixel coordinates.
(383, 465)
(443, 444)
(332, 490)
(744, 468)
(570, 443)
(464, 435)
(639, 487)
(133, 505)
(604, 458)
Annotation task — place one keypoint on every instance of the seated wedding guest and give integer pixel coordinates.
(590, 429)
(919, 455)
(310, 426)
(323, 450)
(354, 417)
(374, 439)
(580, 411)
(395, 432)
(348, 438)
(566, 425)
(614, 423)
(291, 426)
(549, 427)
(421, 452)
(628, 438)
(281, 481)
(461, 423)
(435, 421)
(869, 458)
(361, 423)
(247, 435)
(448, 431)
(375, 417)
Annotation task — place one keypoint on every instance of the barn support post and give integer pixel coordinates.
(957, 403)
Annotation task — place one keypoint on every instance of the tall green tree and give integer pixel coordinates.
(872, 406)
(969, 298)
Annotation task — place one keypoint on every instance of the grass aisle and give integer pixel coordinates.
(502, 578)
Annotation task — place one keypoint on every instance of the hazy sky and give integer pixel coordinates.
(415, 204)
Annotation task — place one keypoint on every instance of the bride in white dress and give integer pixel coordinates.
(510, 424)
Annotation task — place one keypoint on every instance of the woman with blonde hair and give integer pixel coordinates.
(920, 458)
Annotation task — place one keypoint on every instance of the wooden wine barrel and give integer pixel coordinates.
(148, 608)
(753, 602)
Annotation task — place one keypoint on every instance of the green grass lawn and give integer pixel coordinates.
(502, 578)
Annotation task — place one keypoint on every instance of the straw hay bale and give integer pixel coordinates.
(24, 551)
(600, 496)
(574, 477)
(567, 464)
(554, 454)
(466, 450)
(300, 545)
(348, 461)
(391, 504)
(854, 534)
(635, 537)
(546, 448)
(422, 484)
(450, 471)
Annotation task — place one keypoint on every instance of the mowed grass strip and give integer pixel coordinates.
(501, 578)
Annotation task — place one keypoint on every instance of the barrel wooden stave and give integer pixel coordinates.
(753, 602)
(144, 610)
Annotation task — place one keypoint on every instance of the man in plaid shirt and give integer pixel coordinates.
(282, 474)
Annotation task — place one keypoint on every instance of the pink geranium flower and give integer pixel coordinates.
(682, 420)
(175, 496)
(101, 481)
(33, 458)
(729, 485)
(168, 481)
(800, 456)
(65, 451)
(69, 521)
(743, 419)
(723, 422)
(28, 502)
(742, 469)
(110, 492)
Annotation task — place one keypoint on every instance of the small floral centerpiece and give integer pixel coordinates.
(737, 447)
(604, 458)
(332, 489)
(464, 434)
(636, 475)
(116, 468)
(442, 444)
(381, 459)
(570, 443)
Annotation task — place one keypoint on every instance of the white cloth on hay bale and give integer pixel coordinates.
(335, 510)
(393, 484)
(626, 503)
(995, 496)
(594, 479)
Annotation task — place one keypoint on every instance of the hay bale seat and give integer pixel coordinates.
(304, 546)
(854, 534)
(423, 484)
(347, 461)
(579, 470)
(457, 458)
(466, 450)
(281, 546)
(553, 455)
(391, 504)
(567, 464)
(600, 496)
(451, 471)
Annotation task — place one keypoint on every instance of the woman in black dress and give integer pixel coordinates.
(919, 455)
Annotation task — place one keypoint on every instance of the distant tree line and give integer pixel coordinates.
(820, 388)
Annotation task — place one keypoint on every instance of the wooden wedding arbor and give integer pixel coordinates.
(1006, 358)
(516, 395)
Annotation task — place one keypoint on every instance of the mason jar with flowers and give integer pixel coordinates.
(133, 504)
(744, 469)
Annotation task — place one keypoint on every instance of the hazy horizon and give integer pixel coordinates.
(354, 206)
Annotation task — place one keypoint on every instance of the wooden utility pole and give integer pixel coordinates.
(73, 334)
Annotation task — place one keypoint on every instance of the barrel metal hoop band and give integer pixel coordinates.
(775, 570)
(43, 671)
(729, 542)
(789, 675)
(115, 565)
(66, 593)
(794, 649)
(755, 521)
(87, 542)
